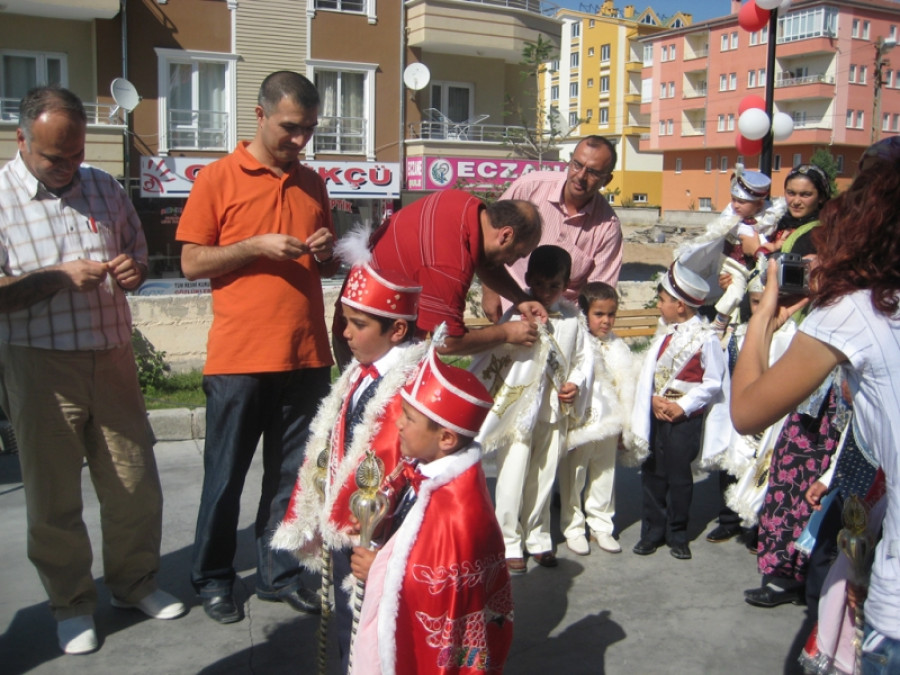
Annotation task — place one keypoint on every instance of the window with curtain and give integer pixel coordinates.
(196, 105)
(21, 71)
(342, 121)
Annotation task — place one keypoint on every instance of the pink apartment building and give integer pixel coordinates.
(831, 58)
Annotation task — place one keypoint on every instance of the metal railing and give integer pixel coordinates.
(541, 7)
(475, 133)
(97, 113)
(341, 134)
(790, 81)
(197, 129)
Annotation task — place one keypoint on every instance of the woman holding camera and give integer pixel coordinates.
(854, 324)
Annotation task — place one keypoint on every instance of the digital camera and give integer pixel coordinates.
(793, 274)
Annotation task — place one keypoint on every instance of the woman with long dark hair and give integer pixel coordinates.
(854, 324)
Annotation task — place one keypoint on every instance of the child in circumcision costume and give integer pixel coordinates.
(359, 413)
(438, 596)
(747, 458)
(590, 464)
(733, 242)
(680, 411)
(538, 391)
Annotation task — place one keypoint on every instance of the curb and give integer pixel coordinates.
(178, 424)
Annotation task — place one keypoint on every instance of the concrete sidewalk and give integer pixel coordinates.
(617, 614)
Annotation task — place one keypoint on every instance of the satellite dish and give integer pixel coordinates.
(416, 76)
(124, 94)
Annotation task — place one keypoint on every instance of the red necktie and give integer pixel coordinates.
(413, 477)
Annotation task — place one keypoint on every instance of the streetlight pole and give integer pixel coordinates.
(765, 157)
(882, 47)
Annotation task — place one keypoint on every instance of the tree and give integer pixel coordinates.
(826, 161)
(542, 127)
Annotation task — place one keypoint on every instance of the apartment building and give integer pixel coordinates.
(596, 85)
(76, 46)
(831, 58)
(459, 112)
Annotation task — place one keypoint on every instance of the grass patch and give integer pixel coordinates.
(177, 390)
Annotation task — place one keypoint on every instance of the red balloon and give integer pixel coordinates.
(747, 147)
(752, 18)
(751, 101)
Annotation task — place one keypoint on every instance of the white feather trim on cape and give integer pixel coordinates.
(313, 528)
(404, 539)
(613, 393)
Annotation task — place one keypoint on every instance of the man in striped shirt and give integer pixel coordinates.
(70, 246)
(575, 217)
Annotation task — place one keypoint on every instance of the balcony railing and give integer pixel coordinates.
(473, 133)
(341, 134)
(197, 129)
(696, 54)
(541, 7)
(694, 93)
(785, 80)
(97, 113)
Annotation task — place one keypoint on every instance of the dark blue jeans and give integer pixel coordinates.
(239, 409)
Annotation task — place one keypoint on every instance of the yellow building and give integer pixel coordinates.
(596, 85)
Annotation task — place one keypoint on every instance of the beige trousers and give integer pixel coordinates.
(67, 408)
(525, 476)
(590, 468)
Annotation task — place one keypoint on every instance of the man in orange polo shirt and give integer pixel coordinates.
(258, 225)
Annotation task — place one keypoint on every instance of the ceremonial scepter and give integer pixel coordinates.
(369, 507)
(320, 481)
(858, 546)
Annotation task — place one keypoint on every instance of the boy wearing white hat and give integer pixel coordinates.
(681, 386)
(360, 413)
(749, 199)
(438, 595)
(731, 243)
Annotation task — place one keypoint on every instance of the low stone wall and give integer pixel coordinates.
(634, 217)
(179, 324)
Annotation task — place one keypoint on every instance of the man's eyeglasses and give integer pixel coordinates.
(576, 167)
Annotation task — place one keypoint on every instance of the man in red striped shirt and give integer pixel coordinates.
(575, 217)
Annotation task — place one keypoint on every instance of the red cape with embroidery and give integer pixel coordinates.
(438, 597)
(311, 521)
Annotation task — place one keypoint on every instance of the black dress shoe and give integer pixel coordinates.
(300, 600)
(644, 547)
(222, 609)
(545, 559)
(680, 551)
(723, 533)
(766, 596)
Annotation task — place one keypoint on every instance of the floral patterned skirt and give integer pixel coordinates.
(802, 454)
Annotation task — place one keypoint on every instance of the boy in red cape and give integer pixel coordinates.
(358, 414)
(438, 596)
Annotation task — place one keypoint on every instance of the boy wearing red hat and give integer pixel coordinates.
(438, 596)
(359, 413)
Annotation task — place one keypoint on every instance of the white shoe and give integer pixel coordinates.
(77, 635)
(579, 545)
(607, 542)
(156, 605)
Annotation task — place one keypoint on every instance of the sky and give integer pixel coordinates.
(701, 9)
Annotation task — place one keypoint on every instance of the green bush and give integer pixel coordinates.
(151, 364)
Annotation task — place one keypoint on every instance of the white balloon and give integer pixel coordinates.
(785, 5)
(768, 4)
(782, 126)
(753, 124)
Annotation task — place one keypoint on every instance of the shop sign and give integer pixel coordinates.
(441, 173)
(174, 177)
